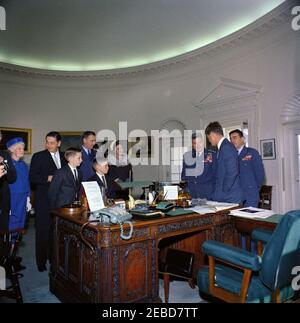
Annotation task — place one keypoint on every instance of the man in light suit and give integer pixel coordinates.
(42, 168)
(88, 154)
(252, 172)
(228, 188)
(199, 169)
(65, 185)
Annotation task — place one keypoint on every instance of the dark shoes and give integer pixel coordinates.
(42, 268)
(17, 264)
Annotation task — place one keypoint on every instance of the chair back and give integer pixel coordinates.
(282, 252)
(265, 197)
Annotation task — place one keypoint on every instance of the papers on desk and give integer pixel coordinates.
(212, 207)
(252, 212)
(221, 206)
(93, 195)
(201, 209)
(171, 192)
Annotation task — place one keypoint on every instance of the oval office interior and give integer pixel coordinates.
(149, 151)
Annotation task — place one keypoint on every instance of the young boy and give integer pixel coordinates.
(65, 185)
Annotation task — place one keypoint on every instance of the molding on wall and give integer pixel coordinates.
(291, 110)
(173, 124)
(275, 18)
(231, 102)
(227, 96)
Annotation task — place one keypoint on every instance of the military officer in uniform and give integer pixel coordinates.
(251, 168)
(199, 169)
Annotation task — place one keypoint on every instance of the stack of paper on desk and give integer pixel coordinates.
(201, 209)
(212, 207)
(220, 206)
(252, 212)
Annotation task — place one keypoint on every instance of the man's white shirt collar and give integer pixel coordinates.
(240, 150)
(86, 150)
(72, 169)
(220, 142)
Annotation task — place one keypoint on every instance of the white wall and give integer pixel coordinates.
(145, 101)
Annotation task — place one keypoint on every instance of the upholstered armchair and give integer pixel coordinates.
(237, 275)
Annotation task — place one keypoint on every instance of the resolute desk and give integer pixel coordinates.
(119, 271)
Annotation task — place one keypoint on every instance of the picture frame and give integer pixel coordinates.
(10, 133)
(70, 139)
(268, 149)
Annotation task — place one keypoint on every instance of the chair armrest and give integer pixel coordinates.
(233, 255)
(261, 235)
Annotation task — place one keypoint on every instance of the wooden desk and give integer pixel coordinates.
(245, 226)
(124, 270)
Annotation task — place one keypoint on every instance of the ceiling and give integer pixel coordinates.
(86, 35)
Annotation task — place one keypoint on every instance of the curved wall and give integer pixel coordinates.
(268, 58)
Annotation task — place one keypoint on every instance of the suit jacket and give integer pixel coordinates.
(63, 189)
(110, 191)
(252, 175)
(9, 178)
(202, 183)
(228, 187)
(86, 166)
(42, 166)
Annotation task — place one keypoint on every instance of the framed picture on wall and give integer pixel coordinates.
(267, 149)
(70, 139)
(10, 133)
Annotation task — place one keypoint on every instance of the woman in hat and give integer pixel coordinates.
(20, 189)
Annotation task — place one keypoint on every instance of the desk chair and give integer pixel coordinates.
(10, 242)
(251, 278)
(265, 197)
(179, 264)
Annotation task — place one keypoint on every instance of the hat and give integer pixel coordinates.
(14, 141)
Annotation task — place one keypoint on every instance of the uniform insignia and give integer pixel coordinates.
(247, 157)
(208, 158)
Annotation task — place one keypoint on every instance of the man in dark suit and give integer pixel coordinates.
(88, 154)
(228, 188)
(7, 176)
(65, 185)
(252, 172)
(42, 168)
(199, 169)
(102, 177)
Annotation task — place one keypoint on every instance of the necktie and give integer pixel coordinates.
(56, 161)
(76, 176)
(104, 181)
(90, 155)
(76, 182)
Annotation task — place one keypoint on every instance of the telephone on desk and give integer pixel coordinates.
(165, 206)
(113, 215)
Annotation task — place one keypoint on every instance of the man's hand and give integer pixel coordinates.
(2, 171)
(50, 178)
